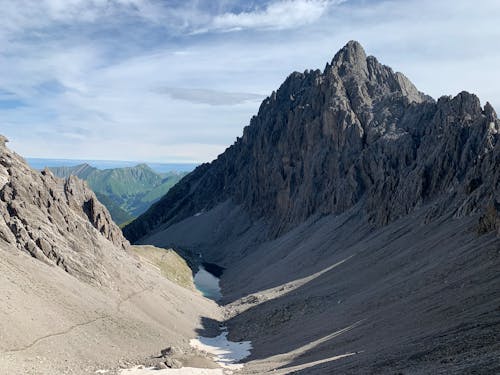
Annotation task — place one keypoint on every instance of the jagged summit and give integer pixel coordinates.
(326, 141)
(352, 53)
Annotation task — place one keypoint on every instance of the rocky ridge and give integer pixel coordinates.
(355, 133)
(57, 221)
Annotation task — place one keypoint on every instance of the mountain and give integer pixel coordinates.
(327, 140)
(76, 297)
(358, 220)
(126, 192)
(119, 215)
(40, 164)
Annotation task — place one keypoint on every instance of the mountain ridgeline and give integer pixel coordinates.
(126, 192)
(356, 133)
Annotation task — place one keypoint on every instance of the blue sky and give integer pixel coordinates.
(176, 81)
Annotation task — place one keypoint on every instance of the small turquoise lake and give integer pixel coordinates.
(207, 284)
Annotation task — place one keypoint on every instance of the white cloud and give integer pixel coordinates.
(86, 93)
(281, 14)
(212, 97)
(23, 15)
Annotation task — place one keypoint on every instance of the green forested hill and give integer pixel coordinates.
(126, 192)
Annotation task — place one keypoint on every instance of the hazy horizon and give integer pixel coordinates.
(41, 163)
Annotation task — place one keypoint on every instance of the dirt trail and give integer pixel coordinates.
(75, 326)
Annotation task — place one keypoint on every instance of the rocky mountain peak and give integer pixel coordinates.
(366, 78)
(352, 54)
(355, 133)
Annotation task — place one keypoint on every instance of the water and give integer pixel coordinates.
(207, 284)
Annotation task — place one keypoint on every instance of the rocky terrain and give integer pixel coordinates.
(76, 297)
(358, 220)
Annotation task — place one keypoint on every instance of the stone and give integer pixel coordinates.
(171, 350)
(173, 363)
(161, 366)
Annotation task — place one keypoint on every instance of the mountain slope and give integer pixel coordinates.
(75, 297)
(126, 192)
(358, 221)
(119, 215)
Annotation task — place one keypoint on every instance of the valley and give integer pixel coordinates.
(353, 228)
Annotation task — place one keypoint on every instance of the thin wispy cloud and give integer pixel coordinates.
(24, 15)
(278, 15)
(211, 97)
(131, 79)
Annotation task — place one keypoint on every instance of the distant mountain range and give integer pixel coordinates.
(126, 192)
(41, 163)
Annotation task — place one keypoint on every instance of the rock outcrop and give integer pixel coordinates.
(57, 221)
(355, 133)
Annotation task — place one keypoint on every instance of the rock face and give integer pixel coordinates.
(57, 221)
(355, 133)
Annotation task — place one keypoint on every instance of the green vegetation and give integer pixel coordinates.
(126, 192)
(170, 264)
(118, 214)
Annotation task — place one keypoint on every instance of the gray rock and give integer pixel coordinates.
(57, 221)
(173, 363)
(161, 366)
(355, 133)
(171, 350)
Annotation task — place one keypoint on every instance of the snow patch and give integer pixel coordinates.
(226, 353)
(139, 370)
